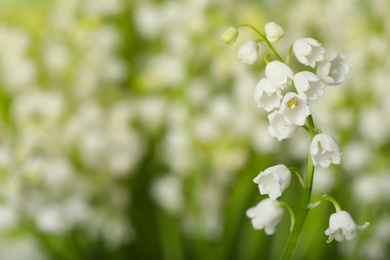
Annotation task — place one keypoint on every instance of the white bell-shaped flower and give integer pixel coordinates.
(308, 51)
(333, 70)
(248, 52)
(325, 150)
(295, 108)
(341, 225)
(273, 31)
(279, 74)
(266, 214)
(273, 181)
(267, 95)
(309, 84)
(279, 128)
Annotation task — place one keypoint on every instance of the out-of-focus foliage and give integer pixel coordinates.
(129, 131)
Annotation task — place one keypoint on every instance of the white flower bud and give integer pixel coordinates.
(325, 150)
(248, 52)
(308, 51)
(341, 225)
(279, 128)
(333, 70)
(309, 84)
(267, 95)
(273, 181)
(273, 32)
(266, 214)
(229, 36)
(295, 109)
(279, 74)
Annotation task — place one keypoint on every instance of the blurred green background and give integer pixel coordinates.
(129, 131)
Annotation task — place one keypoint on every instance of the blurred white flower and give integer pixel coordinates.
(166, 190)
(151, 111)
(221, 109)
(147, 19)
(8, 217)
(18, 73)
(372, 127)
(357, 155)
(279, 127)
(248, 52)
(341, 225)
(273, 180)
(370, 188)
(279, 74)
(325, 150)
(205, 128)
(309, 84)
(102, 7)
(323, 181)
(176, 148)
(34, 104)
(56, 58)
(113, 227)
(308, 51)
(24, 247)
(164, 70)
(226, 161)
(260, 139)
(273, 31)
(266, 95)
(333, 70)
(75, 210)
(266, 214)
(294, 108)
(51, 220)
(58, 172)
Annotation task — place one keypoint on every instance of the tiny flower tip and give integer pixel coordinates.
(229, 36)
(364, 226)
(273, 32)
(313, 205)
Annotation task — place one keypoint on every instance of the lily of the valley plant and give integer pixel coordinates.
(284, 94)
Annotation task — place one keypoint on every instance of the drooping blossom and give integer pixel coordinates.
(309, 84)
(325, 150)
(333, 70)
(273, 31)
(248, 52)
(295, 108)
(267, 95)
(279, 128)
(266, 214)
(273, 180)
(308, 51)
(341, 225)
(279, 74)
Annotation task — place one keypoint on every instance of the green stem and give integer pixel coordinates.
(306, 128)
(303, 209)
(264, 38)
(266, 60)
(333, 201)
(290, 209)
(288, 55)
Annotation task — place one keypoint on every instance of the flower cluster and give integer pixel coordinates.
(284, 94)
